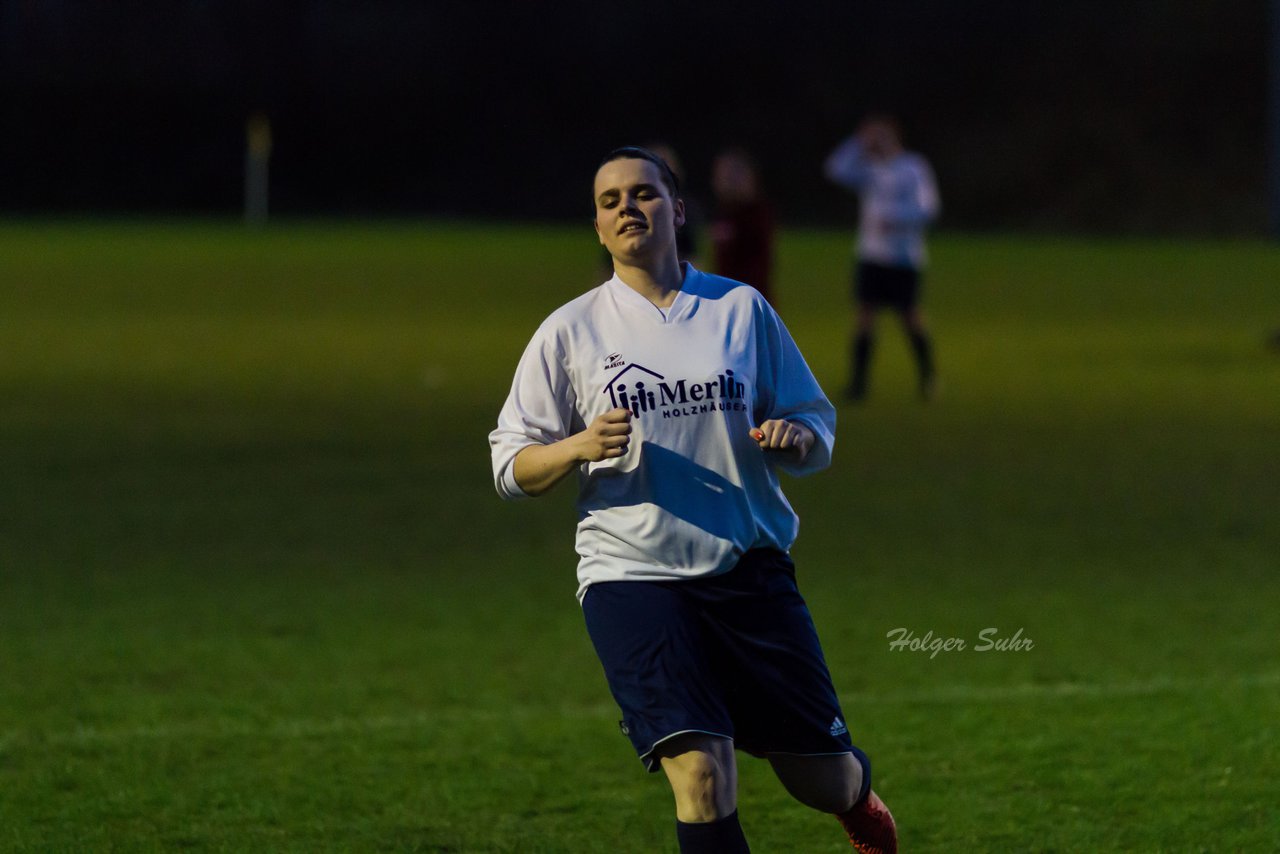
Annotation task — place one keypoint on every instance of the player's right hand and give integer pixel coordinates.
(606, 437)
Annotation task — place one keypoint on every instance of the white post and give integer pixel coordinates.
(1273, 120)
(256, 158)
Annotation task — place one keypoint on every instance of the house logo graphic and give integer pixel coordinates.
(629, 392)
(642, 390)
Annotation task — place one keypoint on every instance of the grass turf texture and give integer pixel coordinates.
(256, 590)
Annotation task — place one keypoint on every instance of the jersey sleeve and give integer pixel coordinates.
(787, 389)
(922, 204)
(847, 165)
(539, 410)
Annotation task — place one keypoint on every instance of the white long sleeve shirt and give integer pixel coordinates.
(694, 490)
(898, 200)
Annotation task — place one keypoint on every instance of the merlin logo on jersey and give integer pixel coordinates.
(649, 391)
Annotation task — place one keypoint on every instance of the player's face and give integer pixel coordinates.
(636, 216)
(881, 140)
(732, 178)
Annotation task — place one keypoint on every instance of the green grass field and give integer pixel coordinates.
(257, 591)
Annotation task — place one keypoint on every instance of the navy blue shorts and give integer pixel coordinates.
(879, 285)
(733, 655)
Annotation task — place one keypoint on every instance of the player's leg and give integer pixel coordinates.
(824, 783)
(913, 323)
(781, 697)
(864, 326)
(922, 346)
(649, 640)
(864, 342)
(703, 773)
(841, 785)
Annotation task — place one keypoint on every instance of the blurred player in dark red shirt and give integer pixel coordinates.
(742, 228)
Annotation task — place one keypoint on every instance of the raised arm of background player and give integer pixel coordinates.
(848, 165)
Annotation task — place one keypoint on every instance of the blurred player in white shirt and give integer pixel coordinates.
(899, 198)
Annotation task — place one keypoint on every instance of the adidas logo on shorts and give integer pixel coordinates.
(838, 727)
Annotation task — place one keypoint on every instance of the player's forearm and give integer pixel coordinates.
(537, 468)
(846, 166)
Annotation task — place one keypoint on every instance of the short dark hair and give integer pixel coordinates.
(635, 152)
(892, 122)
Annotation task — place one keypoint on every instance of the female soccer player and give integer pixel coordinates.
(899, 199)
(742, 228)
(676, 397)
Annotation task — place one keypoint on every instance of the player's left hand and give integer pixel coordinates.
(780, 435)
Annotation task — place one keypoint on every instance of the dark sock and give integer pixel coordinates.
(722, 836)
(922, 346)
(862, 346)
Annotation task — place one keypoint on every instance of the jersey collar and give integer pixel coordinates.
(679, 308)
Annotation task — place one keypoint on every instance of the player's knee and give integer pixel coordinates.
(854, 782)
(699, 781)
(830, 784)
(842, 796)
(838, 796)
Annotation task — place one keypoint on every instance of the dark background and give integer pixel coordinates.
(1125, 117)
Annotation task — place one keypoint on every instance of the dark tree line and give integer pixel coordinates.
(1121, 116)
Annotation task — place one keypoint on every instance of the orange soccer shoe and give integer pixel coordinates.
(870, 827)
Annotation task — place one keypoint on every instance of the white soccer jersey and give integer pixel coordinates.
(899, 198)
(694, 490)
